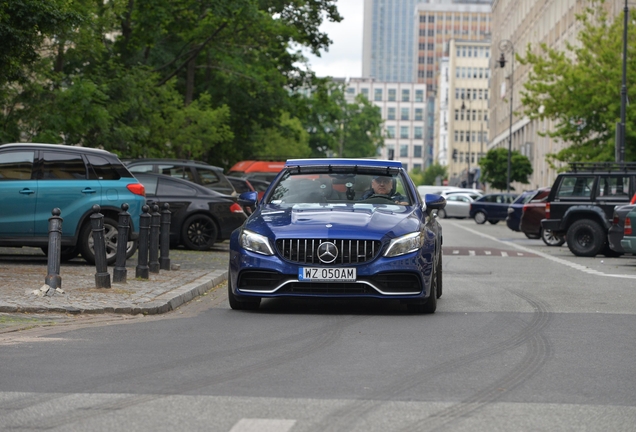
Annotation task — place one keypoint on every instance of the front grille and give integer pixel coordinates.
(303, 251)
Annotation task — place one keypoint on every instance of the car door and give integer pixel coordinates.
(18, 193)
(63, 183)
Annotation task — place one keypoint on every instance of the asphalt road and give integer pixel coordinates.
(526, 338)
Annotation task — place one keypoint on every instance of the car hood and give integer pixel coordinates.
(360, 221)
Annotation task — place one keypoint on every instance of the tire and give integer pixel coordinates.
(585, 238)
(430, 305)
(199, 232)
(480, 218)
(67, 253)
(493, 222)
(441, 213)
(551, 239)
(533, 236)
(86, 242)
(240, 304)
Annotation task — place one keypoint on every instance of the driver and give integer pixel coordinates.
(383, 185)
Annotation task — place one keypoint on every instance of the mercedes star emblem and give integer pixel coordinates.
(327, 252)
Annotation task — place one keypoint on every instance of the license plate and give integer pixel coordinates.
(313, 274)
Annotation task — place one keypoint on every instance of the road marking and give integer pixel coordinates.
(504, 254)
(487, 252)
(471, 252)
(547, 256)
(455, 252)
(263, 425)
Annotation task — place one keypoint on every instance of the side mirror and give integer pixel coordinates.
(248, 199)
(434, 202)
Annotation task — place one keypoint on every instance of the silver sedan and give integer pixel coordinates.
(457, 205)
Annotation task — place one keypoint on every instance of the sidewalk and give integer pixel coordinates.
(22, 274)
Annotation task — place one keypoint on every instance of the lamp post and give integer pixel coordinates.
(468, 139)
(620, 154)
(506, 45)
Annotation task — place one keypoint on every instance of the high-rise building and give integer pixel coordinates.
(388, 40)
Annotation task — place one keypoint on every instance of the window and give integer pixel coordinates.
(419, 114)
(456, 114)
(351, 90)
(417, 132)
(404, 114)
(176, 172)
(404, 151)
(419, 95)
(614, 186)
(417, 151)
(208, 176)
(575, 187)
(404, 132)
(16, 165)
(63, 166)
(377, 95)
(390, 131)
(392, 95)
(390, 114)
(102, 169)
(365, 92)
(406, 95)
(167, 187)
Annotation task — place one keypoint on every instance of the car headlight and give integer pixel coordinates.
(255, 243)
(405, 244)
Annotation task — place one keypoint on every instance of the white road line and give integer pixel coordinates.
(455, 252)
(263, 425)
(504, 254)
(487, 252)
(471, 253)
(547, 256)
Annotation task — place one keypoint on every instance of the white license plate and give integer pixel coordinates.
(313, 274)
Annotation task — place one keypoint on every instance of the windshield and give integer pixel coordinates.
(340, 188)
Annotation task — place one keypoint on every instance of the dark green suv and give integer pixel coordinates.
(581, 204)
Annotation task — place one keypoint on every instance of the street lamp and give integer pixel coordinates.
(468, 139)
(505, 46)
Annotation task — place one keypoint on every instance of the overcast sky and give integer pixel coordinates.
(344, 59)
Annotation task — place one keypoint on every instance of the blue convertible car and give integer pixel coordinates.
(336, 228)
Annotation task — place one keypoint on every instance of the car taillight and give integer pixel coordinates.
(547, 210)
(525, 206)
(137, 189)
(236, 208)
(627, 230)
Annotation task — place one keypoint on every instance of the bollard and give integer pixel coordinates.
(142, 251)
(53, 278)
(153, 248)
(164, 241)
(120, 272)
(102, 277)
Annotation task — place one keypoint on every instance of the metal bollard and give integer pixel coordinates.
(120, 272)
(142, 259)
(53, 278)
(153, 262)
(164, 241)
(102, 277)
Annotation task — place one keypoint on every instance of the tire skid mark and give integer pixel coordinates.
(344, 418)
(313, 341)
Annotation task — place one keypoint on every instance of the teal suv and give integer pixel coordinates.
(36, 178)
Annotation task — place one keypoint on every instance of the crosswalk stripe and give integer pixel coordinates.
(487, 252)
(504, 254)
(455, 252)
(471, 253)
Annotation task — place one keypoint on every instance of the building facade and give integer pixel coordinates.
(402, 106)
(517, 23)
(462, 109)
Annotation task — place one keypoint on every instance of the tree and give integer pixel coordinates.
(579, 89)
(432, 173)
(494, 168)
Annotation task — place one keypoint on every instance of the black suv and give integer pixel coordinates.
(581, 204)
(197, 172)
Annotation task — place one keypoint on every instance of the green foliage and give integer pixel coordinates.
(579, 89)
(290, 141)
(432, 173)
(494, 168)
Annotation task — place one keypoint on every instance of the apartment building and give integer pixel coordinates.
(402, 106)
(462, 109)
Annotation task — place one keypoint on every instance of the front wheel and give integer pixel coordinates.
(441, 213)
(87, 244)
(551, 239)
(240, 304)
(430, 306)
(586, 238)
(480, 218)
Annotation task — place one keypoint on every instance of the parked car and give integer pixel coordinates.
(532, 214)
(307, 239)
(462, 190)
(257, 170)
(491, 207)
(516, 208)
(36, 178)
(200, 216)
(201, 173)
(628, 242)
(581, 204)
(615, 232)
(457, 206)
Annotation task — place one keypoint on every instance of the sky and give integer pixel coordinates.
(344, 58)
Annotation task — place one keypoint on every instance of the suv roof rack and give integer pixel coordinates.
(602, 166)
